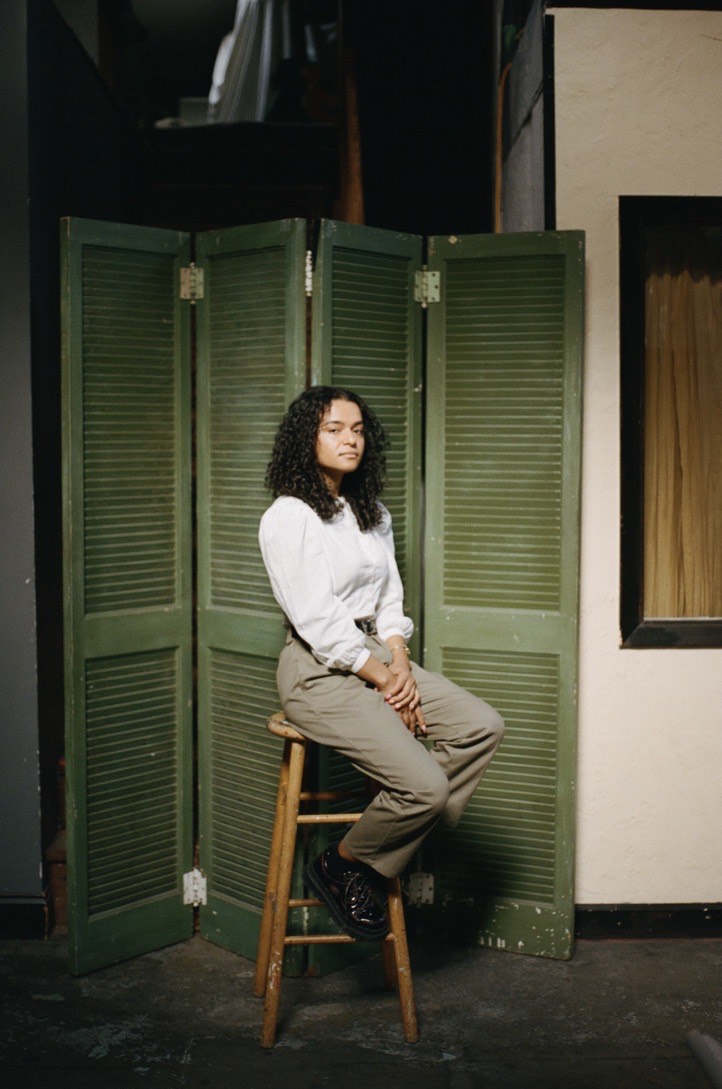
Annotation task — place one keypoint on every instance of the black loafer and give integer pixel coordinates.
(349, 897)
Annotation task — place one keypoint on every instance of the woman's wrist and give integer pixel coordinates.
(376, 673)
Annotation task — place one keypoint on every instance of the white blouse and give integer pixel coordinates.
(326, 575)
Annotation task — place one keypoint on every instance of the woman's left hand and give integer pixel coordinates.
(413, 720)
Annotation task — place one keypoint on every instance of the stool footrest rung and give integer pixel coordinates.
(327, 818)
(331, 795)
(324, 939)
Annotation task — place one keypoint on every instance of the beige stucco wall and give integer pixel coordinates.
(637, 96)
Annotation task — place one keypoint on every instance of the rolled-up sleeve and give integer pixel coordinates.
(390, 617)
(301, 580)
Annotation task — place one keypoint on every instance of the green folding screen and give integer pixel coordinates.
(486, 457)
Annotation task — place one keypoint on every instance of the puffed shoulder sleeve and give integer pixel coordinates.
(390, 617)
(290, 536)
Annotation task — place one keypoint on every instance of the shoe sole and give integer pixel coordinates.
(360, 933)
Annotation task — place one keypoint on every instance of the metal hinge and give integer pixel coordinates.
(191, 283)
(427, 287)
(309, 274)
(421, 888)
(195, 888)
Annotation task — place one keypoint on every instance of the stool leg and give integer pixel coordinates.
(283, 890)
(391, 980)
(264, 936)
(402, 963)
(388, 956)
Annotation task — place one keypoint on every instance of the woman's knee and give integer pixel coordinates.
(494, 723)
(486, 724)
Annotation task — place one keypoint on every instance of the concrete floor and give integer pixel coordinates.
(615, 1017)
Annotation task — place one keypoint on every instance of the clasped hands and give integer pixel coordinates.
(397, 685)
(401, 692)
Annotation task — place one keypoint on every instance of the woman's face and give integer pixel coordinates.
(340, 441)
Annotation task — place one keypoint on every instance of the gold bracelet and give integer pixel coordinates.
(401, 646)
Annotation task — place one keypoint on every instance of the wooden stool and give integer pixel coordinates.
(273, 938)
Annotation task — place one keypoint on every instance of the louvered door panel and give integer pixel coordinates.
(504, 387)
(367, 338)
(503, 446)
(517, 841)
(132, 779)
(246, 311)
(243, 772)
(126, 427)
(251, 363)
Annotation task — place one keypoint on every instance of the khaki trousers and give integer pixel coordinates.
(419, 786)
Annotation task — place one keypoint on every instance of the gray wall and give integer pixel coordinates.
(523, 184)
(65, 149)
(20, 853)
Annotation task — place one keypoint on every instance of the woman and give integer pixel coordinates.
(344, 675)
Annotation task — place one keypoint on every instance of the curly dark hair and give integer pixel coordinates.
(293, 469)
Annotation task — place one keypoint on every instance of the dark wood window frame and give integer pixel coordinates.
(636, 216)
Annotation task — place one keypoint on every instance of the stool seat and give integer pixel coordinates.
(281, 727)
(273, 938)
